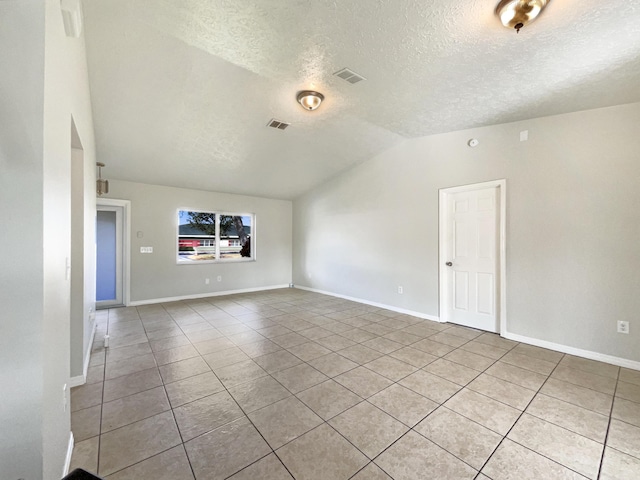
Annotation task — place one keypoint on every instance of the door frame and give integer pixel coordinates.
(126, 242)
(443, 219)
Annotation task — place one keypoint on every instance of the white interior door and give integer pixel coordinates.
(109, 258)
(470, 255)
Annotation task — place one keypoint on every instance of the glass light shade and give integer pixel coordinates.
(518, 13)
(309, 99)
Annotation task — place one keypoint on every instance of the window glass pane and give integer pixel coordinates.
(196, 236)
(235, 236)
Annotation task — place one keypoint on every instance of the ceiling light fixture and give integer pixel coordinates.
(517, 13)
(102, 186)
(309, 99)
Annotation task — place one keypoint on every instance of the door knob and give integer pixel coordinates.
(449, 264)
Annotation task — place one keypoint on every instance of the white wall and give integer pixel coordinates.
(66, 96)
(83, 249)
(573, 224)
(45, 85)
(21, 94)
(154, 213)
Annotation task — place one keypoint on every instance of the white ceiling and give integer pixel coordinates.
(182, 90)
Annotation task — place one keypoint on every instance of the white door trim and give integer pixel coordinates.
(501, 185)
(126, 242)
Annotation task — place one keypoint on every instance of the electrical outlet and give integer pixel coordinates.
(400, 290)
(206, 281)
(623, 327)
(219, 278)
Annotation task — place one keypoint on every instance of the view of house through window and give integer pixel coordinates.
(211, 236)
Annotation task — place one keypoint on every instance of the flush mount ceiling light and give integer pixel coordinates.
(309, 99)
(517, 13)
(102, 186)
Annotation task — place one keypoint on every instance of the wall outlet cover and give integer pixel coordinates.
(623, 327)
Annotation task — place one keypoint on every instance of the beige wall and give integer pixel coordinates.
(573, 263)
(154, 213)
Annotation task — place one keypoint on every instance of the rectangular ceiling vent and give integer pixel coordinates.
(349, 75)
(273, 123)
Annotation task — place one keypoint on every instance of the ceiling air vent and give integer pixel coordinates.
(273, 123)
(349, 75)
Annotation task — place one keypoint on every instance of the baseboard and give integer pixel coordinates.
(67, 460)
(151, 301)
(578, 352)
(373, 304)
(82, 379)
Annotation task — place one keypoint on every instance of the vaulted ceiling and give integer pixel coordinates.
(182, 91)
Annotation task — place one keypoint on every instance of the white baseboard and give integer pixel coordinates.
(373, 304)
(205, 295)
(67, 460)
(77, 381)
(578, 352)
(82, 379)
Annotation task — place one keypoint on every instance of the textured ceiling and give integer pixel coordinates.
(182, 90)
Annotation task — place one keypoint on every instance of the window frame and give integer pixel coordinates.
(218, 214)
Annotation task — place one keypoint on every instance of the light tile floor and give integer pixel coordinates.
(289, 383)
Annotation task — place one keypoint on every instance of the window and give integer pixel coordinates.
(213, 236)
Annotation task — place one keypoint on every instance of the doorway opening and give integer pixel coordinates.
(111, 253)
(472, 255)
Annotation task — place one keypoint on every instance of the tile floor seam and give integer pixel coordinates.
(562, 426)
(547, 457)
(606, 435)
(447, 379)
(620, 451)
(248, 419)
(442, 447)
(132, 394)
(472, 420)
(428, 439)
(586, 388)
(499, 401)
(508, 381)
(101, 405)
(516, 421)
(272, 452)
(145, 459)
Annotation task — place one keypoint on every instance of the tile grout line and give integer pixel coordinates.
(606, 436)
(248, 419)
(518, 419)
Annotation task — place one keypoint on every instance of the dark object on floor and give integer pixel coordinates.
(80, 474)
